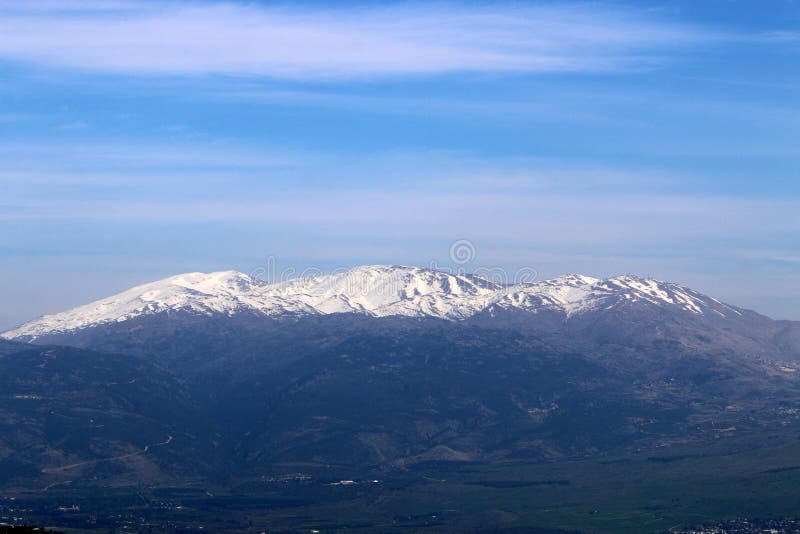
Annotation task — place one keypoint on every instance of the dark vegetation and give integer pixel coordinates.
(347, 422)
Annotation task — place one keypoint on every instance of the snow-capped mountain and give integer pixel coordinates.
(575, 294)
(386, 365)
(377, 291)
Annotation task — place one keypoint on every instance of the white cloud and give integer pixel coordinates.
(91, 156)
(317, 43)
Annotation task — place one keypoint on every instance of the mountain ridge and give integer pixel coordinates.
(374, 290)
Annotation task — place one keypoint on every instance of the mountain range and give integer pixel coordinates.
(376, 291)
(622, 309)
(222, 377)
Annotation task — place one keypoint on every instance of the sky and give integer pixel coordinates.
(144, 139)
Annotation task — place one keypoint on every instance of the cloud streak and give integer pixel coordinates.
(315, 43)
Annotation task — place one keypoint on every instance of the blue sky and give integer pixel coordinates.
(143, 139)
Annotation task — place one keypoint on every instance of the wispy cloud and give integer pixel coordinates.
(779, 37)
(92, 156)
(74, 126)
(314, 42)
(547, 203)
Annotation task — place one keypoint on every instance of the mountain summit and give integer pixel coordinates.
(377, 291)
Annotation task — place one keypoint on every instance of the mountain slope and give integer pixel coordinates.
(68, 413)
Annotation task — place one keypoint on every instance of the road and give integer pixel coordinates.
(120, 457)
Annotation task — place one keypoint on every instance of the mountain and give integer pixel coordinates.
(382, 368)
(232, 312)
(377, 291)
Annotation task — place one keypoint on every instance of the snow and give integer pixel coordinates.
(375, 290)
(570, 294)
